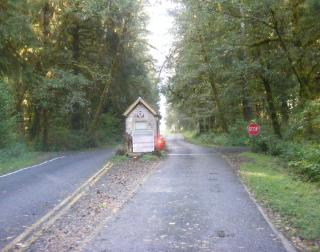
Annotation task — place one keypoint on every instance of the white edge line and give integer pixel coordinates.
(191, 154)
(33, 166)
(285, 242)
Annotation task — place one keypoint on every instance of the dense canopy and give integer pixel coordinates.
(69, 68)
(240, 61)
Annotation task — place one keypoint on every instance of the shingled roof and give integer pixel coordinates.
(136, 103)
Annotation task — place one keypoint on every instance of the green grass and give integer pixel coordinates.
(191, 137)
(25, 159)
(212, 139)
(296, 201)
(119, 158)
(149, 157)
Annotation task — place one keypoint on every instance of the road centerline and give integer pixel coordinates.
(33, 166)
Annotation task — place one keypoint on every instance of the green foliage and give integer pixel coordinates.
(304, 159)
(72, 86)
(296, 201)
(267, 143)
(217, 139)
(18, 156)
(7, 122)
(237, 136)
(72, 68)
(62, 138)
(118, 159)
(149, 157)
(306, 123)
(14, 150)
(242, 61)
(110, 130)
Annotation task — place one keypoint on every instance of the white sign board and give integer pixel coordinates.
(143, 141)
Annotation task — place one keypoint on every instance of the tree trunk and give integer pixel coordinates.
(45, 128)
(75, 47)
(216, 98)
(98, 112)
(222, 119)
(116, 53)
(304, 91)
(104, 94)
(76, 113)
(46, 20)
(46, 15)
(35, 124)
(20, 117)
(246, 104)
(272, 109)
(284, 109)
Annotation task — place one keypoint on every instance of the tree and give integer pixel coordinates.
(256, 60)
(68, 63)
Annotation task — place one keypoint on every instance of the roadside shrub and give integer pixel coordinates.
(109, 131)
(14, 150)
(61, 138)
(305, 123)
(210, 138)
(306, 161)
(267, 141)
(303, 158)
(110, 124)
(238, 134)
(7, 121)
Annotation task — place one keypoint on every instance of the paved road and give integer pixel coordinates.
(28, 195)
(194, 202)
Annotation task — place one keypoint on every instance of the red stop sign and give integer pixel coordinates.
(253, 129)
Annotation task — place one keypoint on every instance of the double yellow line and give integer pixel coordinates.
(32, 233)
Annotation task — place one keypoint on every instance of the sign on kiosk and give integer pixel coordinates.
(253, 129)
(142, 127)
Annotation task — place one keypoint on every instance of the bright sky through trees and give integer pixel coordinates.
(160, 25)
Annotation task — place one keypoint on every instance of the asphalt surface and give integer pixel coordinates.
(28, 195)
(194, 202)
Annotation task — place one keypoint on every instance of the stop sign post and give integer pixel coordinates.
(253, 129)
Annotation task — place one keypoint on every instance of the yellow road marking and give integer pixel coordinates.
(115, 209)
(32, 233)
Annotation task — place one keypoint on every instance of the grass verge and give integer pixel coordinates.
(295, 202)
(212, 139)
(191, 137)
(119, 158)
(145, 157)
(11, 164)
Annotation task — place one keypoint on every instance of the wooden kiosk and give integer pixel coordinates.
(142, 127)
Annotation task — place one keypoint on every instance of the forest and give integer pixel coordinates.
(240, 61)
(68, 70)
